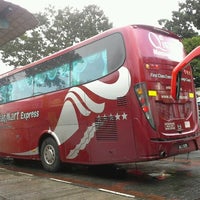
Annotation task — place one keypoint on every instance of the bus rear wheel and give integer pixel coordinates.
(50, 155)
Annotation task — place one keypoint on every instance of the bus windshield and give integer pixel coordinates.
(159, 45)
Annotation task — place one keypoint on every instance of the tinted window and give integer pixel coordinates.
(82, 65)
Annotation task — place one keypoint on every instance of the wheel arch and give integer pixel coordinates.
(45, 135)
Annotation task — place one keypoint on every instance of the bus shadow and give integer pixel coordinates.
(152, 171)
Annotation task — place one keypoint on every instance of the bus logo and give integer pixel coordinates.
(158, 42)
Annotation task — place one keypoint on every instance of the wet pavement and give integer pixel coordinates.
(176, 178)
(21, 186)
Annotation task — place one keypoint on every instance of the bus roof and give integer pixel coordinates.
(156, 29)
(14, 21)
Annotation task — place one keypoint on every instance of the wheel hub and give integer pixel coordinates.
(49, 154)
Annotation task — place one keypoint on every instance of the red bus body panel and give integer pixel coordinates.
(102, 122)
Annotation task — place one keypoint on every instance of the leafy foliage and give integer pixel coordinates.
(186, 21)
(58, 29)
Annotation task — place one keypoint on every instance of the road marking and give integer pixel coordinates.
(100, 189)
(2, 168)
(117, 193)
(58, 180)
(23, 173)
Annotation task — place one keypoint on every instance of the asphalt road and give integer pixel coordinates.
(168, 179)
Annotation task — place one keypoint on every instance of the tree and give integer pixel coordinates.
(58, 29)
(186, 21)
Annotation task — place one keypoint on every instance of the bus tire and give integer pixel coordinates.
(50, 155)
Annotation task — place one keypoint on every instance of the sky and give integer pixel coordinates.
(119, 12)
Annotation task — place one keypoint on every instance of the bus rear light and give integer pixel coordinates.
(152, 66)
(139, 91)
(142, 101)
(145, 109)
(142, 96)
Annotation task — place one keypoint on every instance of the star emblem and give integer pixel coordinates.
(124, 116)
(117, 116)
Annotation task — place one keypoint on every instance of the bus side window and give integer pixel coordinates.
(53, 79)
(64, 75)
(45, 81)
(78, 66)
(96, 67)
(20, 87)
(89, 68)
(25, 87)
(39, 83)
(3, 91)
(105, 63)
(3, 94)
(51, 74)
(9, 93)
(57, 78)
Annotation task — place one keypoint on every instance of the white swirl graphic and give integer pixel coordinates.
(81, 108)
(93, 106)
(68, 124)
(112, 91)
(88, 135)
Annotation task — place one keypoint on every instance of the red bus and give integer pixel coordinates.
(109, 99)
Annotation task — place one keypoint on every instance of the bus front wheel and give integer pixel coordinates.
(50, 155)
